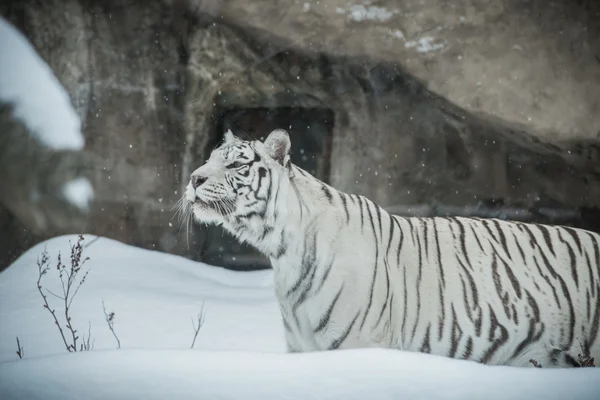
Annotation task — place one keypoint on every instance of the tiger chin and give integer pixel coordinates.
(350, 275)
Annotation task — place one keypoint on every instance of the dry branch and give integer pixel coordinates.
(20, 349)
(197, 325)
(70, 283)
(110, 320)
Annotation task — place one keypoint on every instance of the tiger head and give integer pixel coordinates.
(236, 183)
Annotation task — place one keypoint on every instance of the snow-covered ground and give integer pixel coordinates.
(239, 352)
(38, 99)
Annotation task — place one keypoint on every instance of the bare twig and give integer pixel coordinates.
(76, 265)
(43, 268)
(78, 286)
(70, 286)
(110, 320)
(197, 325)
(94, 240)
(20, 349)
(54, 294)
(85, 343)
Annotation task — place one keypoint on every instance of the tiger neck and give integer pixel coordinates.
(292, 214)
(294, 239)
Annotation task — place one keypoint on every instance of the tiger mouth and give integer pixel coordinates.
(204, 204)
(208, 205)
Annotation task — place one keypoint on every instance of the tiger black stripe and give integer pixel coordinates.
(532, 336)
(387, 274)
(496, 343)
(439, 254)
(498, 285)
(390, 314)
(387, 293)
(325, 318)
(567, 295)
(590, 272)
(461, 238)
(418, 290)
(400, 241)
(441, 287)
(345, 205)
(486, 225)
(521, 251)
(554, 292)
(306, 269)
(502, 238)
(405, 303)
(425, 240)
(370, 303)
(468, 348)
(513, 279)
(596, 321)
(336, 343)
(328, 269)
(362, 217)
(304, 293)
(456, 333)
(575, 238)
(378, 212)
(327, 193)
(426, 345)
(588, 304)
(571, 258)
(547, 238)
(286, 324)
(468, 307)
(596, 260)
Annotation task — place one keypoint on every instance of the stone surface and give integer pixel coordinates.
(535, 62)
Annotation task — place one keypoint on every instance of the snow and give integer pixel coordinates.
(39, 101)
(358, 13)
(424, 45)
(397, 33)
(350, 374)
(79, 192)
(239, 352)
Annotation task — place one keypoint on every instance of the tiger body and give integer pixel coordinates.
(350, 275)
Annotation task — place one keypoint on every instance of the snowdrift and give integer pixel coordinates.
(239, 352)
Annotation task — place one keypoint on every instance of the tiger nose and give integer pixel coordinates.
(197, 181)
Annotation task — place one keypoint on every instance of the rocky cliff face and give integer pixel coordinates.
(155, 83)
(533, 62)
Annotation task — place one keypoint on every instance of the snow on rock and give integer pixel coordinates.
(397, 33)
(425, 44)
(359, 12)
(38, 99)
(239, 352)
(79, 192)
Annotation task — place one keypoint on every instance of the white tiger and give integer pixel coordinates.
(348, 274)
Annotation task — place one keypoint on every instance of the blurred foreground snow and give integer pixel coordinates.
(38, 99)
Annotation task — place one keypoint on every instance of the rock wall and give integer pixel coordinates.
(150, 80)
(533, 62)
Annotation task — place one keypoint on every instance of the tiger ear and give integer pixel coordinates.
(229, 136)
(278, 146)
